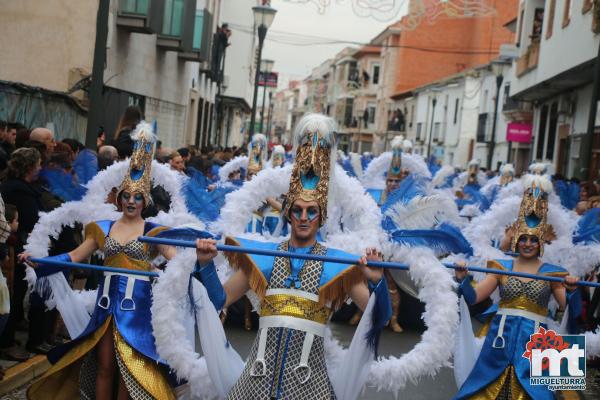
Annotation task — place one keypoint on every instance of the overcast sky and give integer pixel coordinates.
(338, 21)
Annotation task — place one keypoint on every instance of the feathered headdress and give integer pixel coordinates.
(257, 153)
(315, 146)
(395, 170)
(533, 213)
(473, 171)
(507, 174)
(407, 146)
(138, 178)
(277, 156)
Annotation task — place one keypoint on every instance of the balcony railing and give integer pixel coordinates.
(138, 16)
(516, 110)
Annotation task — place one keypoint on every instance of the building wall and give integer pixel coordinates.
(415, 68)
(43, 41)
(240, 58)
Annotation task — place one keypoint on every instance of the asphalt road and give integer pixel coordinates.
(440, 387)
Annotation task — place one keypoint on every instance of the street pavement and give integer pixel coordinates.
(439, 387)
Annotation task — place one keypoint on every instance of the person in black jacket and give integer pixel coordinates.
(122, 140)
(23, 169)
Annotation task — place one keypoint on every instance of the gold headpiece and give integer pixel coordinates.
(395, 170)
(533, 213)
(278, 156)
(257, 151)
(314, 139)
(138, 178)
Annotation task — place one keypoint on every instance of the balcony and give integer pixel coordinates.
(529, 60)
(197, 36)
(170, 34)
(517, 110)
(138, 16)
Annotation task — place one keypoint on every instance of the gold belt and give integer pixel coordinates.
(294, 306)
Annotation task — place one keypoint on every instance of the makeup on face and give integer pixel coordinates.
(138, 197)
(312, 212)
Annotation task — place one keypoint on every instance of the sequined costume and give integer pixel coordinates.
(287, 359)
(123, 303)
(501, 371)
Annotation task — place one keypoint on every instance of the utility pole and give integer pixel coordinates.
(97, 85)
(499, 79)
(433, 103)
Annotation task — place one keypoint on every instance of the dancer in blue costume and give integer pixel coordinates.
(501, 371)
(117, 344)
(287, 360)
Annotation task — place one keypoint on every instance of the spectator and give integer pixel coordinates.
(18, 189)
(586, 190)
(176, 162)
(4, 154)
(101, 140)
(107, 155)
(22, 137)
(122, 140)
(184, 152)
(44, 136)
(5, 231)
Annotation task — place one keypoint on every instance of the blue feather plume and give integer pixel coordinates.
(445, 238)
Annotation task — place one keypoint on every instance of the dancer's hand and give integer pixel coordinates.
(570, 282)
(206, 250)
(23, 258)
(461, 270)
(373, 274)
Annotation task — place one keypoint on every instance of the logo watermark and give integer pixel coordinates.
(556, 361)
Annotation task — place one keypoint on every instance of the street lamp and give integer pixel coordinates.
(433, 103)
(266, 67)
(497, 68)
(263, 18)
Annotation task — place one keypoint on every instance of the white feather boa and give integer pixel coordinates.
(440, 316)
(233, 165)
(360, 219)
(93, 207)
(374, 176)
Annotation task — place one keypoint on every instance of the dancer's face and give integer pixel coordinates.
(304, 218)
(392, 184)
(529, 246)
(132, 204)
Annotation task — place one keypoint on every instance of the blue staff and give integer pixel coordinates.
(349, 261)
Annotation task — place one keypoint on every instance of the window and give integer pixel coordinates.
(567, 13)
(456, 102)
(198, 27)
(173, 18)
(134, 6)
(371, 111)
(436, 131)
(376, 69)
(412, 115)
(482, 128)
(419, 129)
(551, 12)
(348, 112)
(484, 107)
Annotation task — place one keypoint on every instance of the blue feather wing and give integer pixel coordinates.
(444, 239)
(86, 165)
(410, 187)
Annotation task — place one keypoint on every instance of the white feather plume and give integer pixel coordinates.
(233, 165)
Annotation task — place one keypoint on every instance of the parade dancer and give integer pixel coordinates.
(500, 371)
(117, 346)
(297, 297)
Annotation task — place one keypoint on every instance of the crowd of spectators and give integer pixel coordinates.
(33, 170)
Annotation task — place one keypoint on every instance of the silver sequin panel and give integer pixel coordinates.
(284, 347)
(537, 291)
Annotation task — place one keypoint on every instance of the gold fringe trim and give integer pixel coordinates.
(61, 381)
(336, 290)
(241, 261)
